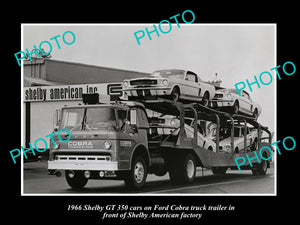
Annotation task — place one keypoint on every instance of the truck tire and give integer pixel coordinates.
(182, 169)
(136, 177)
(75, 179)
(260, 168)
(255, 114)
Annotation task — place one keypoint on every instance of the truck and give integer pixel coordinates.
(117, 140)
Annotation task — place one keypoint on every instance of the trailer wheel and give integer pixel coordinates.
(75, 179)
(182, 169)
(219, 170)
(260, 168)
(136, 177)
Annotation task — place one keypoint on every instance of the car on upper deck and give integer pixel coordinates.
(229, 100)
(178, 85)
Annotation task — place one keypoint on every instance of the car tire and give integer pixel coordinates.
(254, 145)
(205, 99)
(255, 114)
(235, 107)
(260, 168)
(236, 150)
(175, 94)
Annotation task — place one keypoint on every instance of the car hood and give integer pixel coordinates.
(147, 78)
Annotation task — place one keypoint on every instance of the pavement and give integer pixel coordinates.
(37, 181)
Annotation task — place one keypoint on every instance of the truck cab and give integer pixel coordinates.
(108, 141)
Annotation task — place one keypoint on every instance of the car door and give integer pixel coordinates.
(245, 103)
(191, 86)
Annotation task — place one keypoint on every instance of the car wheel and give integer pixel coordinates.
(235, 107)
(205, 99)
(254, 145)
(175, 94)
(236, 150)
(255, 114)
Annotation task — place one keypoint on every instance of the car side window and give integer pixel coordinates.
(191, 77)
(246, 95)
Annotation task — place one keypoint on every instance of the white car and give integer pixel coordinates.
(229, 100)
(202, 140)
(174, 84)
(167, 125)
(225, 143)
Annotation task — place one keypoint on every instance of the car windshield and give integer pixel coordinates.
(168, 73)
(75, 119)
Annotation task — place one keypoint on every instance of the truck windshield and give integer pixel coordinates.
(89, 119)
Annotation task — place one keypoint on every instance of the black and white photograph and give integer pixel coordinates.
(151, 116)
(128, 114)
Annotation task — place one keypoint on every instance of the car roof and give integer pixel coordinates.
(173, 70)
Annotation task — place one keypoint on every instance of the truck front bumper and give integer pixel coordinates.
(85, 165)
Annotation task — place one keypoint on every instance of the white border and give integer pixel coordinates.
(149, 194)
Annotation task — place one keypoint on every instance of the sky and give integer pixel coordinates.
(235, 52)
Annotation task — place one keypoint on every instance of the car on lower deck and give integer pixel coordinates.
(239, 131)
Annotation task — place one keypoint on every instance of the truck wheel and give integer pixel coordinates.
(254, 145)
(260, 168)
(136, 177)
(75, 179)
(182, 169)
(219, 170)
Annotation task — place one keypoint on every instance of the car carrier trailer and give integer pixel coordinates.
(116, 141)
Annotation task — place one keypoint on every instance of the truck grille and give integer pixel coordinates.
(82, 157)
(143, 82)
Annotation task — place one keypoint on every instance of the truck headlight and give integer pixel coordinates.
(107, 145)
(126, 83)
(229, 96)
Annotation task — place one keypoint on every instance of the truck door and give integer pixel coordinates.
(139, 118)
